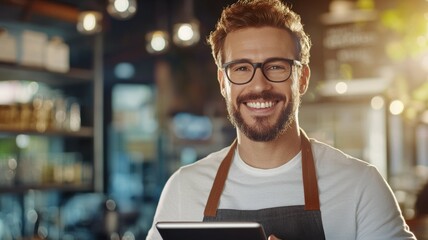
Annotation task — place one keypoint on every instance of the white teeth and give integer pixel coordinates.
(260, 105)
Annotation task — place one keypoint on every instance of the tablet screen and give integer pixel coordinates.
(210, 230)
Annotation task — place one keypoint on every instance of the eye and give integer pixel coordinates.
(240, 67)
(277, 66)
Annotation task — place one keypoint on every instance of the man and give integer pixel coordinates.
(273, 174)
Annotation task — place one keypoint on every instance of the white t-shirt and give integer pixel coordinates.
(355, 201)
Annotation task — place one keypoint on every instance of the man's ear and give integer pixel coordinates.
(304, 79)
(220, 79)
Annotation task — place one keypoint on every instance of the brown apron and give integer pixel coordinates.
(288, 222)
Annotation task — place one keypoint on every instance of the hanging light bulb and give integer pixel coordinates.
(186, 34)
(157, 41)
(186, 30)
(122, 9)
(89, 22)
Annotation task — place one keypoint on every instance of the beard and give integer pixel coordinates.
(261, 130)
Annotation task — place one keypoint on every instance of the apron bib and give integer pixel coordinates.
(288, 222)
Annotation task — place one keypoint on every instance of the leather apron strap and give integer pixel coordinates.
(310, 183)
(219, 181)
(308, 171)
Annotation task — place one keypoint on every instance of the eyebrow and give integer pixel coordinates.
(249, 60)
(241, 59)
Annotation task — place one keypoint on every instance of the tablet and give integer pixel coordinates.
(211, 230)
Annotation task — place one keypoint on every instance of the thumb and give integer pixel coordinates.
(272, 237)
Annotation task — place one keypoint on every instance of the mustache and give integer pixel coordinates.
(265, 95)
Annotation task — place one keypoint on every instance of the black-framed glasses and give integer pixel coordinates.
(274, 69)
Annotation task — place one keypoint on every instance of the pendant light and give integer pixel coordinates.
(122, 9)
(186, 28)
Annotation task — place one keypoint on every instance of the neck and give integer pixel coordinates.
(270, 154)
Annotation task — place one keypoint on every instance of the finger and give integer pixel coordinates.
(272, 237)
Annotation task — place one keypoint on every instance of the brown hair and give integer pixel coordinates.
(258, 13)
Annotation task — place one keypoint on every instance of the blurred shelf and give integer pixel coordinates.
(44, 187)
(84, 132)
(9, 71)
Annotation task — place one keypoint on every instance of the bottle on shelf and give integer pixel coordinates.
(56, 57)
(8, 45)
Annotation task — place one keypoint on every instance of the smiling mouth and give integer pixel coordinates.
(260, 105)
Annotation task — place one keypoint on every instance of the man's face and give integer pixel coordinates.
(261, 109)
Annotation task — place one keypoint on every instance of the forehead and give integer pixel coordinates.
(258, 44)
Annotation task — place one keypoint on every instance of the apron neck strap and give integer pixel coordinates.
(308, 171)
(219, 182)
(310, 183)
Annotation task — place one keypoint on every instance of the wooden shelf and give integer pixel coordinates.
(18, 72)
(87, 132)
(47, 187)
(83, 83)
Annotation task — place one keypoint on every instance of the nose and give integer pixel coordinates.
(259, 81)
